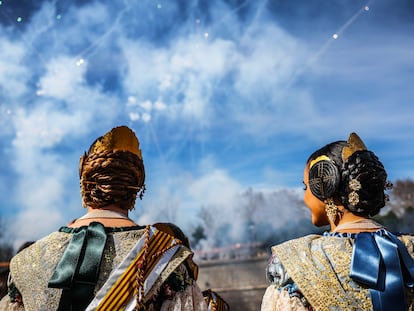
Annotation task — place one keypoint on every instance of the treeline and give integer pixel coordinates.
(271, 218)
(268, 218)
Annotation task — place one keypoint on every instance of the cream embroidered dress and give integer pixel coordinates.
(313, 273)
(32, 269)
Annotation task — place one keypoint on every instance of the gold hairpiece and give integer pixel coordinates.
(354, 144)
(318, 159)
(120, 138)
(96, 183)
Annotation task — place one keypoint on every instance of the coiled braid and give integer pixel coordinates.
(366, 169)
(112, 177)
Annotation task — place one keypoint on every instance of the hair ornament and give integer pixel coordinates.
(318, 159)
(354, 185)
(324, 177)
(112, 170)
(120, 138)
(353, 197)
(355, 144)
(331, 209)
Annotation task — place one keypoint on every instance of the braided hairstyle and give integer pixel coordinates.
(111, 177)
(325, 170)
(365, 170)
(358, 182)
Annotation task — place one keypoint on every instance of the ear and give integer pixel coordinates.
(324, 178)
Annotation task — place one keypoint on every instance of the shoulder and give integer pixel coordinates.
(286, 254)
(311, 243)
(408, 240)
(53, 241)
(276, 273)
(173, 230)
(307, 255)
(295, 244)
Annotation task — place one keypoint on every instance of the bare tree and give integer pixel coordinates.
(402, 196)
(6, 249)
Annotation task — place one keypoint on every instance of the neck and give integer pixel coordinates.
(113, 208)
(351, 223)
(345, 217)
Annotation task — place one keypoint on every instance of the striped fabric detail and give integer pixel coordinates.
(125, 287)
(221, 305)
(214, 301)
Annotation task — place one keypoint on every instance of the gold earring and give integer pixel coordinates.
(331, 209)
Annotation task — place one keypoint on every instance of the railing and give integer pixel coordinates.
(231, 252)
(4, 264)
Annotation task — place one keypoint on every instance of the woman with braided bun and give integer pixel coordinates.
(104, 260)
(358, 264)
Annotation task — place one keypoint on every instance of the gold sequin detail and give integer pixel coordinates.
(320, 267)
(32, 268)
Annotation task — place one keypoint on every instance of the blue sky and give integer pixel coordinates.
(223, 95)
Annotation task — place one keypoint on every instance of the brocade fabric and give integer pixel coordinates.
(277, 299)
(33, 267)
(320, 267)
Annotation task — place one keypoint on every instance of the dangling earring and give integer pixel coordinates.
(331, 209)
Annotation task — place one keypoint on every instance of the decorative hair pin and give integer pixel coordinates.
(119, 138)
(353, 197)
(318, 159)
(354, 144)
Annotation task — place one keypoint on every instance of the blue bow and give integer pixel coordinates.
(381, 262)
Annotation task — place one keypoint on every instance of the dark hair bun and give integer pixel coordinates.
(324, 179)
(363, 183)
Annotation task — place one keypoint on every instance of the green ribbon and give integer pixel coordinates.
(77, 271)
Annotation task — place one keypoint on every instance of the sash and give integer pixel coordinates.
(214, 301)
(146, 261)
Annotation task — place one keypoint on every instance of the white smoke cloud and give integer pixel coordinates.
(209, 109)
(14, 76)
(62, 77)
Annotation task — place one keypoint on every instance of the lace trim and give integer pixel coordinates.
(361, 224)
(102, 213)
(353, 235)
(66, 229)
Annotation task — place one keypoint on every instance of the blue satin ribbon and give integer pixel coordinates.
(381, 262)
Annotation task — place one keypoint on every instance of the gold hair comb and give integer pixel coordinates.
(120, 138)
(354, 144)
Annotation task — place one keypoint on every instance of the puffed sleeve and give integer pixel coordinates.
(180, 293)
(282, 294)
(7, 305)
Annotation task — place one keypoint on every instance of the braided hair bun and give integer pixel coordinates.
(324, 177)
(325, 170)
(363, 182)
(112, 171)
(112, 177)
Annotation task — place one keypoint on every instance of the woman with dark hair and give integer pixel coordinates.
(104, 260)
(359, 264)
